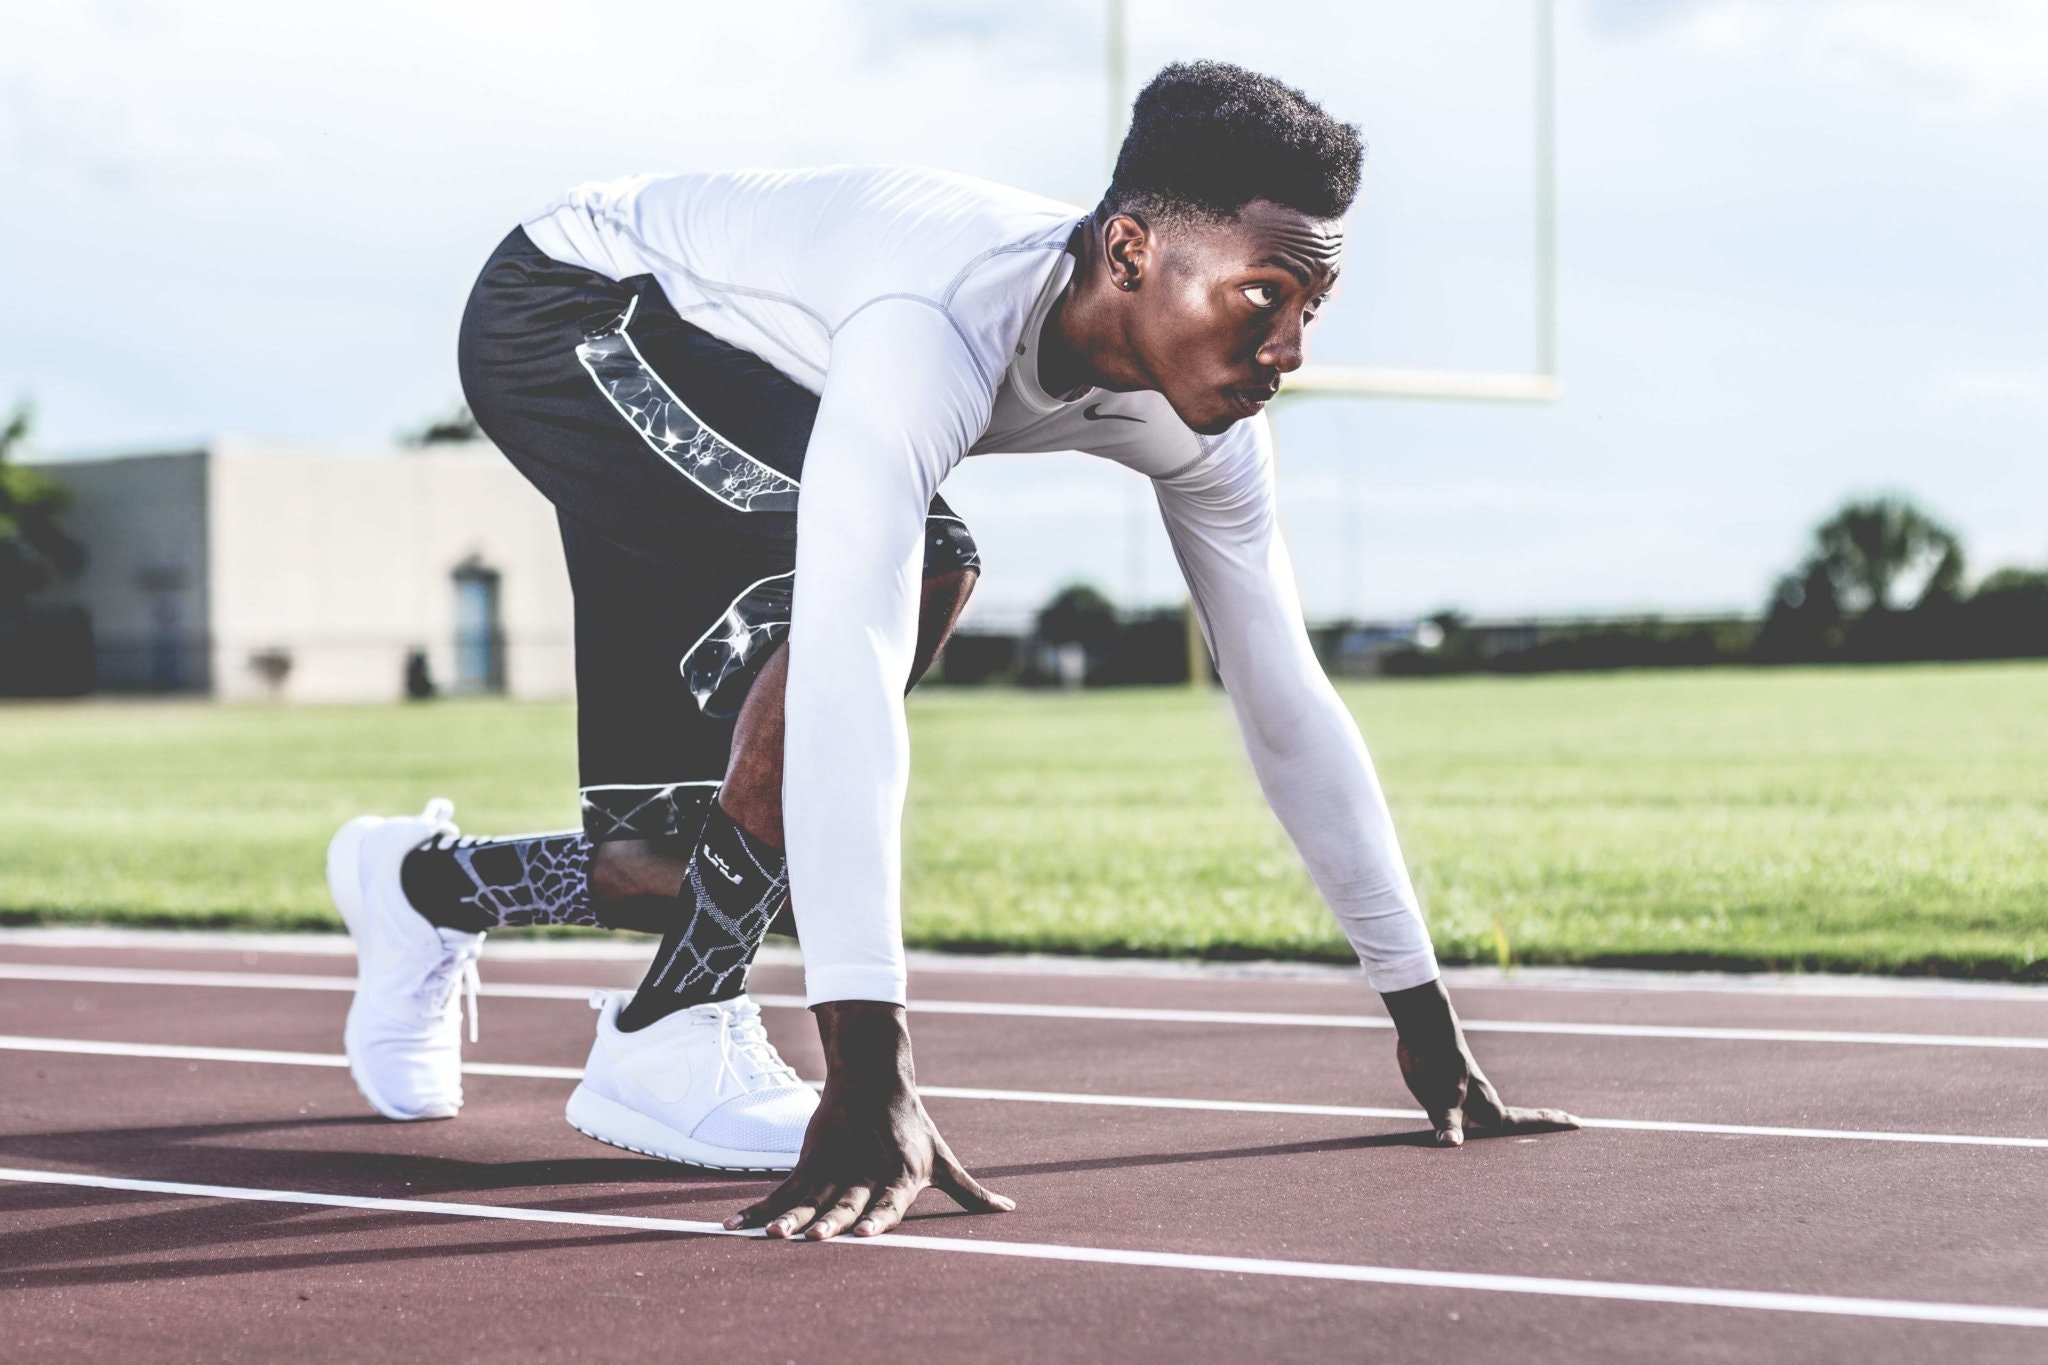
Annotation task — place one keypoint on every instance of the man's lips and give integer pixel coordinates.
(1247, 402)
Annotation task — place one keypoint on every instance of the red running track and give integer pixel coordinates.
(1143, 1232)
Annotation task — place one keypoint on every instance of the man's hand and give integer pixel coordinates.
(1442, 1073)
(871, 1147)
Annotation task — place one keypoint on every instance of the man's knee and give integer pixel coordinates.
(634, 883)
(945, 597)
(752, 791)
(624, 869)
(945, 594)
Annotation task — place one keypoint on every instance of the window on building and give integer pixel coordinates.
(479, 632)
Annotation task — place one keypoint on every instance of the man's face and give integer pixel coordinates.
(1221, 309)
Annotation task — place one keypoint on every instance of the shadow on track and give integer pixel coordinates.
(227, 1226)
(1422, 1137)
(180, 1153)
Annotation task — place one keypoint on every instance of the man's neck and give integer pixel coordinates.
(1080, 337)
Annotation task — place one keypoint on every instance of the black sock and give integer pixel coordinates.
(478, 884)
(732, 891)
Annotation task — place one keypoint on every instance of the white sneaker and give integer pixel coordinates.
(404, 1032)
(703, 1086)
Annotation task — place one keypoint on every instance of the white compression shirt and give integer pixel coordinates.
(911, 301)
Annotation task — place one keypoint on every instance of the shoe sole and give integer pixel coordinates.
(439, 1111)
(613, 1124)
(345, 888)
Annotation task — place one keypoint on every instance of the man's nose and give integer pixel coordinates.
(1285, 349)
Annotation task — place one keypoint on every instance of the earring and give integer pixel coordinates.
(1131, 283)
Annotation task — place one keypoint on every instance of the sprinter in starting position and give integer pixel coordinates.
(672, 359)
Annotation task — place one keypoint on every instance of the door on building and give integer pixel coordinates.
(479, 632)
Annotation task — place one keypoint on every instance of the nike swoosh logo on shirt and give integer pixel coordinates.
(1094, 413)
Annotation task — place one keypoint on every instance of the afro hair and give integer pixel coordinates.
(1208, 137)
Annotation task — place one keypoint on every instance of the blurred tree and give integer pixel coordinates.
(1073, 632)
(1450, 634)
(1803, 621)
(1448, 621)
(460, 425)
(1874, 551)
(1884, 581)
(2022, 585)
(2008, 614)
(1078, 615)
(34, 551)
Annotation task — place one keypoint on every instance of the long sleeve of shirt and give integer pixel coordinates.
(899, 409)
(1310, 760)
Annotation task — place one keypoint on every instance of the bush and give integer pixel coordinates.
(47, 653)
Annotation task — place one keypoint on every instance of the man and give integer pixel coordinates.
(669, 359)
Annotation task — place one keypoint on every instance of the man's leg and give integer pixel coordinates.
(561, 878)
(752, 791)
(735, 878)
(674, 460)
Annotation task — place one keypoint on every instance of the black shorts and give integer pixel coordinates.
(672, 459)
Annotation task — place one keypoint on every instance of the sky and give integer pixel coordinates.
(1800, 250)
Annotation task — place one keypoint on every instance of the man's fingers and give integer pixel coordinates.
(889, 1206)
(787, 1211)
(797, 1217)
(949, 1176)
(1450, 1129)
(779, 1198)
(837, 1218)
(1514, 1120)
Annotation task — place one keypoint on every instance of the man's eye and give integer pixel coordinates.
(1262, 295)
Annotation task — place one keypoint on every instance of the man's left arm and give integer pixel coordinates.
(1314, 769)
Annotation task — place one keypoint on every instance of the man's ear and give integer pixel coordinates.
(1127, 249)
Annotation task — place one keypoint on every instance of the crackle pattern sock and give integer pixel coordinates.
(475, 884)
(734, 887)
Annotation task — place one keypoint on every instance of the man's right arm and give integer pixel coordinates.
(899, 409)
(901, 405)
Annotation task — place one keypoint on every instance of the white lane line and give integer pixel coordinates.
(267, 981)
(178, 1052)
(635, 949)
(92, 1047)
(1912, 1310)
(517, 990)
(1354, 1111)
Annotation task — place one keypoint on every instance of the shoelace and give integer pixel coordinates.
(744, 1026)
(456, 970)
(740, 1032)
(725, 1066)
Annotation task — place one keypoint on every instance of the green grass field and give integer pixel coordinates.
(1836, 819)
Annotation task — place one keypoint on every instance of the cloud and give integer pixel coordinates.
(1783, 270)
(1964, 59)
(2027, 386)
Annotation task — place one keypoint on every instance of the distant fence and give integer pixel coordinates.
(55, 653)
(1536, 645)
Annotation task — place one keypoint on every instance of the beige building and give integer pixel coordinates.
(246, 570)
